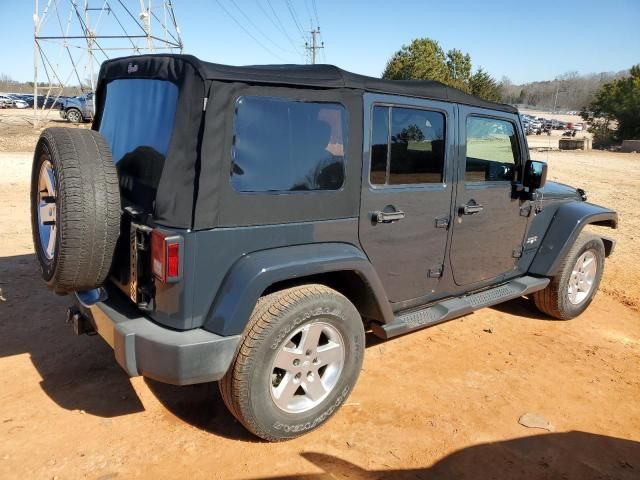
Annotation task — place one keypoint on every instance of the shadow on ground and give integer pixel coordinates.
(78, 373)
(570, 455)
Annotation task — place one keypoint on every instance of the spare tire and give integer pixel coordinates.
(75, 208)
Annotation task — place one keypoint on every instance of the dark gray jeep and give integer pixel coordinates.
(248, 224)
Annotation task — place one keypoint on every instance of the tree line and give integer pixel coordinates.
(610, 101)
(567, 92)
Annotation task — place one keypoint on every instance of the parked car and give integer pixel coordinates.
(578, 126)
(43, 100)
(5, 102)
(77, 109)
(14, 100)
(252, 235)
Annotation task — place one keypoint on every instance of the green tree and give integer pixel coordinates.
(484, 86)
(424, 59)
(617, 101)
(459, 66)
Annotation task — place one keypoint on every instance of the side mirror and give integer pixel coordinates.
(535, 175)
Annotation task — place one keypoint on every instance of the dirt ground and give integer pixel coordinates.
(440, 403)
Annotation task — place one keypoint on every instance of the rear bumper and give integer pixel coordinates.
(142, 347)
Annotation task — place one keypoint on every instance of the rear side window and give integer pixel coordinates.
(492, 150)
(283, 145)
(407, 146)
(137, 122)
(138, 113)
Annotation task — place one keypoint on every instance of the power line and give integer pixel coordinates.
(306, 7)
(315, 11)
(264, 47)
(282, 28)
(258, 28)
(294, 16)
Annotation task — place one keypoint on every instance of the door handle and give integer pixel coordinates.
(388, 217)
(471, 209)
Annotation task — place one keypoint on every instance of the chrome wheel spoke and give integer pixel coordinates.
(311, 337)
(47, 213)
(286, 389)
(286, 358)
(330, 353)
(314, 388)
(51, 245)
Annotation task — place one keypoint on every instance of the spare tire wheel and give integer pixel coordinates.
(75, 208)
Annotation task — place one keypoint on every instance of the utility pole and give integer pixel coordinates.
(314, 44)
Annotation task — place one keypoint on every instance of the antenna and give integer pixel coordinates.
(314, 45)
(73, 37)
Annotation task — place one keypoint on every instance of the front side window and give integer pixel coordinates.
(407, 146)
(492, 150)
(283, 145)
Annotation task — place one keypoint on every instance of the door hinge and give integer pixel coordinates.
(435, 272)
(517, 253)
(442, 222)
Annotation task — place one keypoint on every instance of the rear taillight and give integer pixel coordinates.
(166, 249)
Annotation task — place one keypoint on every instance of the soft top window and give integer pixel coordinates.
(285, 145)
(137, 122)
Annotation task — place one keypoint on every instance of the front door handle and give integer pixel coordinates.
(471, 209)
(388, 217)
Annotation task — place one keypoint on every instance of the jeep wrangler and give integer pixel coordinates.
(247, 224)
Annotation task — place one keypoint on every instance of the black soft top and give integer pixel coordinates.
(323, 76)
(191, 185)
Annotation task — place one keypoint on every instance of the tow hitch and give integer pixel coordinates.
(81, 324)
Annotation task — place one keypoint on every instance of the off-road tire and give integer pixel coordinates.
(245, 388)
(74, 115)
(87, 203)
(554, 299)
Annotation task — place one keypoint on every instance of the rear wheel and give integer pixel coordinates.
(74, 115)
(572, 289)
(299, 359)
(75, 208)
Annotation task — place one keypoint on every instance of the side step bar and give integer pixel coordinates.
(456, 307)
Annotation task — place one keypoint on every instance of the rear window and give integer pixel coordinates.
(137, 122)
(283, 145)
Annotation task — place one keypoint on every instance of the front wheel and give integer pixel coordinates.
(572, 289)
(299, 360)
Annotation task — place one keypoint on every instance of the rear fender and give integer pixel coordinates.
(252, 274)
(565, 227)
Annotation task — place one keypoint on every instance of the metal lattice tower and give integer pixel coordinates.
(73, 37)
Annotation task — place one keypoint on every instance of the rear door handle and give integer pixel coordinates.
(388, 217)
(471, 209)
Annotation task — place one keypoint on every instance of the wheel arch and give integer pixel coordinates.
(340, 266)
(565, 227)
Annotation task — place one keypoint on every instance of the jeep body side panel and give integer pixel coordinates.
(565, 226)
(254, 273)
(210, 254)
(408, 254)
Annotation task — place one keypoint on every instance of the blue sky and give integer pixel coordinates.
(526, 41)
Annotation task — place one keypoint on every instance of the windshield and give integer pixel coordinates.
(137, 122)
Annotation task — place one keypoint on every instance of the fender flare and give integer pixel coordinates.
(566, 224)
(253, 273)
